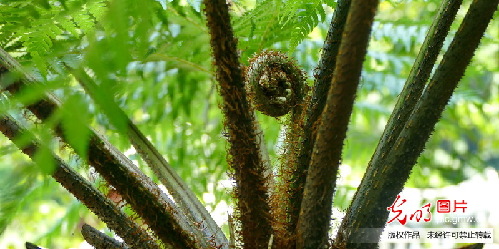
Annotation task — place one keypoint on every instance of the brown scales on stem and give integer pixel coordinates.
(270, 95)
(245, 155)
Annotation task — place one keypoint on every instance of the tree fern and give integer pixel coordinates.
(153, 59)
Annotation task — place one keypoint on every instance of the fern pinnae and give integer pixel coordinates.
(45, 27)
(289, 21)
(304, 18)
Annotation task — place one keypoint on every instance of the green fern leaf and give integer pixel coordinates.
(303, 17)
(289, 22)
(69, 25)
(33, 28)
(84, 21)
(39, 62)
(97, 9)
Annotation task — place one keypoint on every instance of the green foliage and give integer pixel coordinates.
(35, 28)
(288, 23)
(153, 59)
(34, 207)
(74, 126)
(16, 185)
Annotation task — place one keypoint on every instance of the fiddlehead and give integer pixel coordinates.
(276, 86)
(274, 83)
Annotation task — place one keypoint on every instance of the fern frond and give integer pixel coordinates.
(85, 21)
(290, 21)
(47, 23)
(70, 26)
(97, 9)
(304, 17)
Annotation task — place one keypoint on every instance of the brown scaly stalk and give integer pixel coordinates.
(380, 187)
(181, 194)
(145, 197)
(244, 155)
(315, 213)
(275, 86)
(109, 213)
(301, 151)
(99, 240)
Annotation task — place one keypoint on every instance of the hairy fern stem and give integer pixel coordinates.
(276, 87)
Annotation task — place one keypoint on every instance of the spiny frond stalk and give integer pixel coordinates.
(144, 196)
(315, 213)
(418, 77)
(109, 213)
(313, 109)
(182, 195)
(100, 240)
(276, 86)
(413, 88)
(244, 155)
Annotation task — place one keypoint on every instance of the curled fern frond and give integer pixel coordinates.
(274, 83)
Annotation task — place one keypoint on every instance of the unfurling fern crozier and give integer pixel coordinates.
(274, 83)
